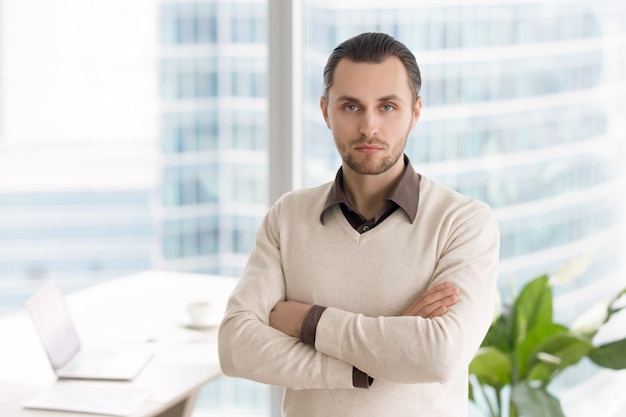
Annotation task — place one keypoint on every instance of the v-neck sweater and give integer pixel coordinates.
(366, 280)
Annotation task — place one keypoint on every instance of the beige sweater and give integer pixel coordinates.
(366, 280)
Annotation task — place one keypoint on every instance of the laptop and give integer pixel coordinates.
(51, 318)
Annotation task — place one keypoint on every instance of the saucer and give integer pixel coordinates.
(209, 324)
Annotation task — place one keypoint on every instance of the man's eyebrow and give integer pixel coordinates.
(348, 98)
(390, 97)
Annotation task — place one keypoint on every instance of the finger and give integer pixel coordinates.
(435, 308)
(429, 298)
(438, 291)
(425, 307)
(432, 291)
(438, 312)
(438, 287)
(440, 296)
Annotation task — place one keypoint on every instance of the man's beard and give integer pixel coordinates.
(372, 166)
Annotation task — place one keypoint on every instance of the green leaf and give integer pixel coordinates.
(499, 334)
(565, 348)
(532, 308)
(535, 402)
(524, 351)
(491, 367)
(540, 372)
(611, 355)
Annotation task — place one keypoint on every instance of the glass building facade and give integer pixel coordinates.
(213, 93)
(213, 86)
(78, 238)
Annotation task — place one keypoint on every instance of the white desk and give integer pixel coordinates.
(148, 307)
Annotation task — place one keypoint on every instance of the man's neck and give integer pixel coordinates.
(366, 193)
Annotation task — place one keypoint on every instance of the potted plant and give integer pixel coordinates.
(524, 350)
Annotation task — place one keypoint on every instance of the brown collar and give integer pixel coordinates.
(405, 194)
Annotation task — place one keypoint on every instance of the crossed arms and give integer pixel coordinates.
(288, 316)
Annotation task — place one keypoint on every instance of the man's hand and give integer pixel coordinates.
(434, 302)
(287, 316)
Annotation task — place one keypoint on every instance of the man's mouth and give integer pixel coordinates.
(369, 147)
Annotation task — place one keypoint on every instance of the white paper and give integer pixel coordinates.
(86, 399)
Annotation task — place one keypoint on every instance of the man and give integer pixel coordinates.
(370, 295)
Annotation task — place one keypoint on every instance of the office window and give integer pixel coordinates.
(247, 22)
(206, 26)
(188, 23)
(189, 78)
(522, 110)
(195, 131)
(248, 77)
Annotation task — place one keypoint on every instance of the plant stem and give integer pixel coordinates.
(512, 409)
(499, 399)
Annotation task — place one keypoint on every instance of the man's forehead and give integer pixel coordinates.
(386, 79)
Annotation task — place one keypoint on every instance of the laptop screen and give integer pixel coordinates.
(51, 318)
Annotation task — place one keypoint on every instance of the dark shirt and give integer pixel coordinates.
(405, 196)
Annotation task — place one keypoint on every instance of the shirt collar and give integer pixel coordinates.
(405, 194)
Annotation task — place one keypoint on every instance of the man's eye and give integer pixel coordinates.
(350, 107)
(388, 107)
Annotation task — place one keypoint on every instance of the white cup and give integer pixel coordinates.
(199, 313)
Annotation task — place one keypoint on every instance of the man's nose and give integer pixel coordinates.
(369, 124)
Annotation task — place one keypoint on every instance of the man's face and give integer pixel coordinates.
(370, 111)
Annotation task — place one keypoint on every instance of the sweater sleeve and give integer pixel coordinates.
(307, 336)
(250, 348)
(415, 349)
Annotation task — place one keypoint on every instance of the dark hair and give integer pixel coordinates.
(373, 47)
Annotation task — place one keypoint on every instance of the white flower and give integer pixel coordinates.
(547, 357)
(572, 269)
(591, 320)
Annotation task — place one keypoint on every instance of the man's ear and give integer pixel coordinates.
(324, 108)
(417, 110)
